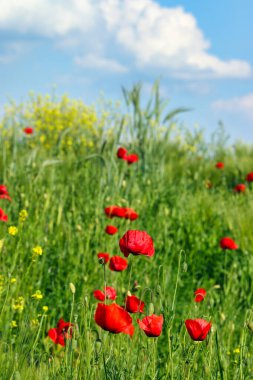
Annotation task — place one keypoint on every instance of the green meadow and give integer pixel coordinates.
(63, 175)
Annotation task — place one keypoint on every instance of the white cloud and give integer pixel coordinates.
(167, 38)
(147, 34)
(47, 17)
(243, 104)
(93, 61)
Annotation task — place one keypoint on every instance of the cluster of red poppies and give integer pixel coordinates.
(119, 212)
(122, 154)
(4, 194)
(116, 318)
(241, 187)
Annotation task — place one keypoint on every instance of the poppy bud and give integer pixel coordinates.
(72, 288)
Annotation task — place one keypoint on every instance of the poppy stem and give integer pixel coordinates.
(104, 281)
(178, 273)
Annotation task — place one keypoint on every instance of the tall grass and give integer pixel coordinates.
(65, 196)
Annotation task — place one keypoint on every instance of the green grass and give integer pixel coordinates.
(65, 196)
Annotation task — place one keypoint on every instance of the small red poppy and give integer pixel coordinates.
(121, 153)
(111, 230)
(249, 177)
(198, 328)
(28, 130)
(131, 158)
(114, 318)
(118, 264)
(151, 325)
(219, 165)
(4, 194)
(137, 243)
(61, 332)
(199, 294)
(227, 243)
(241, 188)
(134, 305)
(110, 294)
(112, 211)
(130, 214)
(104, 256)
(3, 216)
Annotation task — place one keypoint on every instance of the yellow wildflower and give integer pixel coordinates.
(13, 280)
(18, 304)
(45, 308)
(236, 350)
(37, 295)
(23, 215)
(13, 230)
(35, 322)
(13, 324)
(36, 251)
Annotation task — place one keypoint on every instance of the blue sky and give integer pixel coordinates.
(201, 50)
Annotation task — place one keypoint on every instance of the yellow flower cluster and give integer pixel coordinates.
(37, 295)
(36, 252)
(18, 304)
(60, 123)
(23, 215)
(13, 230)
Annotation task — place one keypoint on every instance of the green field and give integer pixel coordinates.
(64, 175)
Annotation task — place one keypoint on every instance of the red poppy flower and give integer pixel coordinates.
(121, 153)
(3, 216)
(118, 264)
(111, 230)
(240, 188)
(110, 294)
(151, 325)
(104, 256)
(220, 165)
(61, 332)
(137, 243)
(131, 158)
(130, 214)
(197, 328)
(112, 211)
(227, 243)
(199, 294)
(249, 177)
(114, 318)
(4, 194)
(134, 305)
(28, 130)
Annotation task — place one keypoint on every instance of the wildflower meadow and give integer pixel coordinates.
(126, 243)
